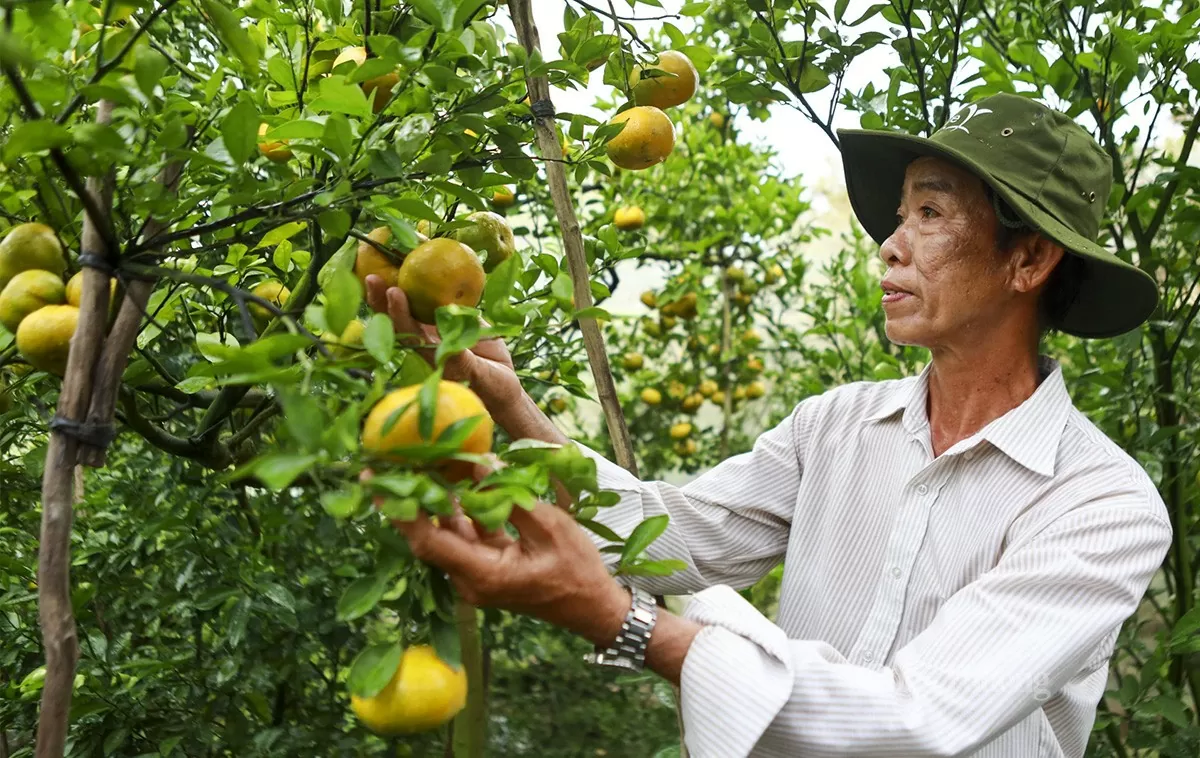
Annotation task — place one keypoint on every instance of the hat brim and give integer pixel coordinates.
(1114, 296)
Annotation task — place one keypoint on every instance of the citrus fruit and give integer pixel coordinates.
(27, 292)
(556, 405)
(684, 448)
(489, 233)
(632, 361)
(748, 286)
(503, 198)
(647, 139)
(651, 396)
(739, 392)
(424, 693)
(454, 403)
(751, 337)
(44, 337)
(440, 272)
(75, 291)
(707, 388)
(651, 327)
(425, 228)
(735, 274)
(773, 273)
(718, 398)
(379, 88)
(30, 246)
(349, 340)
(717, 119)
(684, 307)
(668, 322)
(754, 365)
(372, 260)
(629, 218)
(649, 299)
(676, 390)
(673, 87)
(692, 402)
(274, 150)
(273, 292)
(755, 390)
(681, 431)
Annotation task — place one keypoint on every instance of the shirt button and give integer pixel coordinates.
(896, 572)
(970, 454)
(922, 489)
(867, 656)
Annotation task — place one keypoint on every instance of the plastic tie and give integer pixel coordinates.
(542, 109)
(98, 262)
(94, 435)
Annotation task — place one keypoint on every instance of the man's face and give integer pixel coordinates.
(945, 281)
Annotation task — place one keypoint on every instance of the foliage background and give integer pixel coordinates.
(207, 607)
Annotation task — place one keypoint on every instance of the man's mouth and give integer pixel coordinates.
(892, 293)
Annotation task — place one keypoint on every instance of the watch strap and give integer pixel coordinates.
(628, 651)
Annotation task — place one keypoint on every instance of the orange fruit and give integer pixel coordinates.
(503, 198)
(371, 260)
(674, 87)
(272, 291)
(651, 396)
(717, 119)
(424, 693)
(440, 272)
(632, 361)
(649, 299)
(647, 139)
(680, 431)
(454, 403)
(27, 292)
(274, 150)
(44, 337)
(379, 88)
(30, 246)
(628, 218)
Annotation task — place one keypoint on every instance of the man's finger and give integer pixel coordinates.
(377, 293)
(536, 525)
(497, 539)
(409, 331)
(445, 548)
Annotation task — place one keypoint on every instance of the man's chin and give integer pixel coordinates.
(904, 334)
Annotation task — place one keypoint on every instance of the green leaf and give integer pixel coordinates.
(239, 617)
(148, 68)
(115, 740)
(34, 136)
(644, 534)
(278, 470)
(304, 418)
(427, 406)
(379, 338)
(343, 503)
(439, 13)
(1186, 627)
(601, 530)
(359, 598)
(281, 233)
(653, 568)
(338, 137)
(446, 642)
(230, 30)
(343, 296)
(839, 10)
(279, 595)
(373, 668)
(335, 223)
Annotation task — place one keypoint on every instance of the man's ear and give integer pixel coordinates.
(1033, 261)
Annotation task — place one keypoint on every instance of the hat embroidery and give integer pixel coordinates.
(959, 120)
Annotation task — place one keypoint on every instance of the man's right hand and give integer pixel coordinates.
(487, 367)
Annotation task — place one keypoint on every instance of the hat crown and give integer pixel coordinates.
(1037, 153)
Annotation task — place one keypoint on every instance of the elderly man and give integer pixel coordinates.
(960, 548)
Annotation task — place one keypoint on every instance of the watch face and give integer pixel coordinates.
(643, 616)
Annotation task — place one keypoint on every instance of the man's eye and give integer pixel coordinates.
(927, 212)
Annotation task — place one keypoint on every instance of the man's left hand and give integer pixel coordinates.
(552, 571)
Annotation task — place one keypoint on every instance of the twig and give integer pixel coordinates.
(539, 90)
(613, 14)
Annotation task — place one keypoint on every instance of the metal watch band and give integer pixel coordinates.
(629, 649)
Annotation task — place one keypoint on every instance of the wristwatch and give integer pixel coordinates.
(629, 649)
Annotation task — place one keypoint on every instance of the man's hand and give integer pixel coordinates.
(552, 571)
(487, 367)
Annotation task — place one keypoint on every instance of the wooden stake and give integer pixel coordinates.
(593, 341)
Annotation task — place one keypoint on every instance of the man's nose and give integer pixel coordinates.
(895, 248)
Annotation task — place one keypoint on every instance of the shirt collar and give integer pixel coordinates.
(1029, 433)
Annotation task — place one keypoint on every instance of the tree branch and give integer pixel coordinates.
(1164, 203)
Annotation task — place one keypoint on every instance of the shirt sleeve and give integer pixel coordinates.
(730, 525)
(995, 652)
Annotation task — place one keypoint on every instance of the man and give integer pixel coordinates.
(960, 548)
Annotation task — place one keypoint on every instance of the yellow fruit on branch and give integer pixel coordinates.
(378, 89)
(649, 299)
(684, 307)
(754, 365)
(629, 218)
(371, 260)
(773, 273)
(488, 233)
(454, 403)
(755, 390)
(632, 361)
(424, 693)
(440, 272)
(685, 448)
(739, 392)
(75, 292)
(647, 139)
(274, 292)
(651, 396)
(692, 402)
(707, 388)
(503, 198)
(276, 151)
(717, 119)
(668, 322)
(735, 274)
(742, 300)
(556, 405)
(44, 337)
(30, 246)
(350, 340)
(674, 86)
(718, 398)
(425, 227)
(27, 292)
(676, 390)
(681, 431)
(751, 337)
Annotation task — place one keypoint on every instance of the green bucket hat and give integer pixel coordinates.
(1044, 165)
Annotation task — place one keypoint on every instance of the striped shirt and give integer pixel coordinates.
(963, 604)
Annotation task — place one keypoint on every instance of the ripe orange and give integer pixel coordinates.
(455, 402)
(647, 139)
(276, 151)
(371, 260)
(629, 218)
(273, 291)
(378, 89)
(27, 292)
(651, 396)
(673, 87)
(424, 693)
(30, 246)
(503, 198)
(440, 272)
(44, 337)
